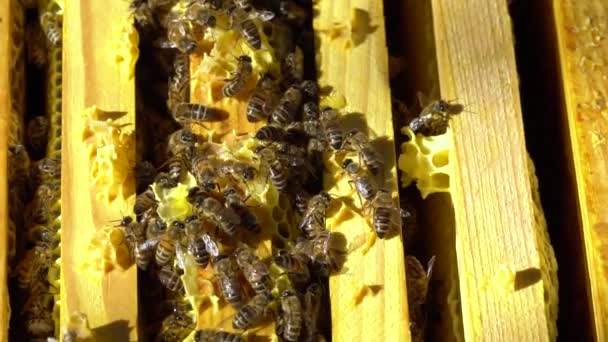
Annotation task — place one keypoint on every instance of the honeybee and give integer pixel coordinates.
(39, 325)
(332, 127)
(255, 271)
(313, 219)
(179, 92)
(277, 172)
(200, 15)
(155, 226)
(170, 278)
(145, 252)
(360, 143)
(239, 78)
(293, 67)
(386, 214)
(197, 246)
(165, 181)
(51, 22)
(417, 279)
(310, 89)
(294, 13)
(301, 198)
(364, 183)
(262, 100)
(178, 166)
(208, 335)
(142, 13)
(246, 27)
(47, 170)
(175, 327)
(34, 266)
(232, 167)
(434, 117)
(290, 321)
(226, 270)
(133, 230)
(226, 218)
(312, 310)
(310, 112)
(285, 112)
(144, 201)
(248, 219)
(252, 313)
(35, 42)
(323, 250)
(165, 250)
(179, 36)
(295, 265)
(182, 141)
(270, 133)
(188, 113)
(205, 173)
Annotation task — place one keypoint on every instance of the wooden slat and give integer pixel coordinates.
(582, 33)
(496, 231)
(94, 76)
(352, 58)
(5, 112)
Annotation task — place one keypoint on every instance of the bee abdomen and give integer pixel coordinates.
(255, 108)
(198, 251)
(170, 279)
(335, 137)
(232, 292)
(165, 252)
(382, 221)
(251, 34)
(278, 176)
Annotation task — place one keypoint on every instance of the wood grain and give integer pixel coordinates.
(5, 112)
(352, 59)
(496, 232)
(92, 77)
(582, 30)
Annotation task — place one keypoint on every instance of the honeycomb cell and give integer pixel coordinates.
(440, 180)
(283, 230)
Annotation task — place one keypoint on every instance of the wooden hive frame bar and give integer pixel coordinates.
(583, 53)
(98, 71)
(497, 233)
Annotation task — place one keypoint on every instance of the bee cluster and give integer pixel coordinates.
(220, 231)
(35, 180)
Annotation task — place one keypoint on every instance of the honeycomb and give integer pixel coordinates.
(425, 160)
(548, 263)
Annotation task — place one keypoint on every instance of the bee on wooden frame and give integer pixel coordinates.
(434, 117)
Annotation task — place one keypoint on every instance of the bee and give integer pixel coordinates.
(165, 250)
(434, 117)
(252, 313)
(47, 170)
(295, 265)
(313, 219)
(291, 316)
(133, 230)
(179, 90)
(197, 246)
(77, 325)
(165, 180)
(262, 100)
(245, 5)
(255, 271)
(239, 78)
(145, 252)
(143, 13)
(40, 326)
(294, 13)
(226, 218)
(35, 40)
(232, 167)
(248, 219)
(418, 279)
(179, 36)
(293, 67)
(170, 278)
(208, 335)
(270, 133)
(323, 251)
(364, 183)
(175, 327)
(145, 173)
(205, 173)
(360, 143)
(178, 166)
(332, 127)
(226, 270)
(312, 311)
(182, 141)
(301, 198)
(144, 201)
(51, 22)
(34, 266)
(277, 172)
(386, 214)
(200, 16)
(310, 112)
(155, 226)
(188, 113)
(285, 112)
(310, 89)
(246, 27)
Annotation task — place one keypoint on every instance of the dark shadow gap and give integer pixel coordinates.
(413, 69)
(547, 140)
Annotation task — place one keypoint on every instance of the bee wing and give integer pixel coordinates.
(180, 256)
(264, 15)
(211, 246)
(429, 270)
